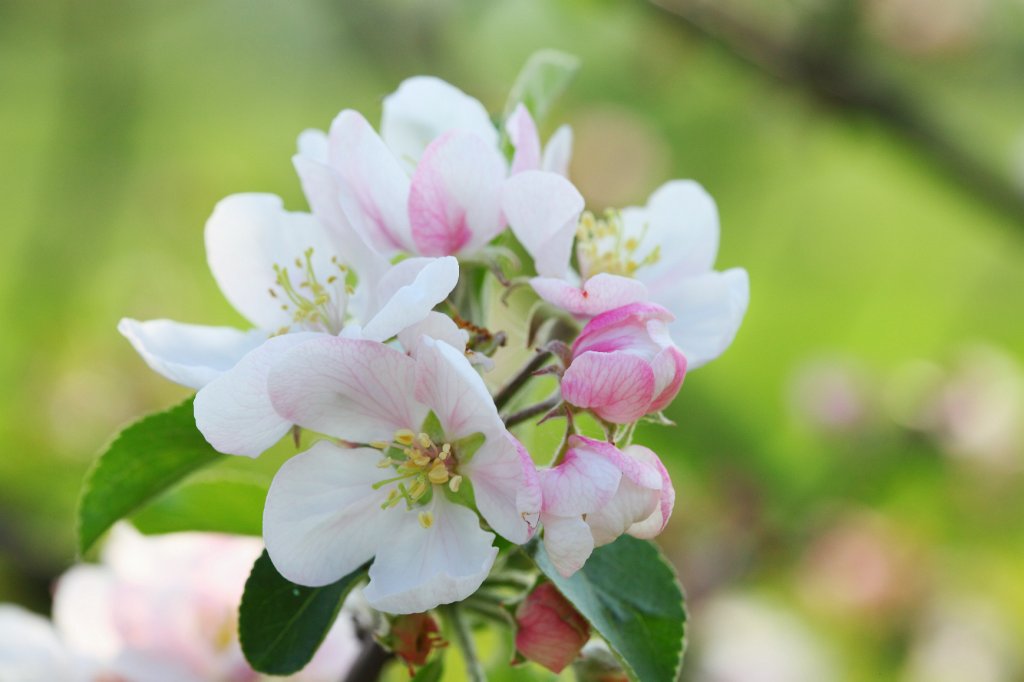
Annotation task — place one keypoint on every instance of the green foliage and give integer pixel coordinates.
(281, 624)
(143, 461)
(630, 594)
(216, 501)
(431, 672)
(542, 80)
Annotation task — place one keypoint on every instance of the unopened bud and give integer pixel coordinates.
(551, 631)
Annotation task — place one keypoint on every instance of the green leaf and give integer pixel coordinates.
(431, 672)
(281, 624)
(629, 593)
(542, 80)
(213, 501)
(142, 462)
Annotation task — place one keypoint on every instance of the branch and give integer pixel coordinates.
(837, 79)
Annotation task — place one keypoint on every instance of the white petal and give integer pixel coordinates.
(417, 569)
(373, 187)
(422, 109)
(522, 133)
(656, 522)
(709, 309)
(682, 220)
(246, 236)
(543, 210)
(581, 484)
(558, 152)
(435, 326)
(506, 486)
(323, 519)
(29, 648)
(455, 198)
(448, 384)
(631, 504)
(234, 412)
(313, 145)
(189, 354)
(408, 292)
(568, 542)
(354, 389)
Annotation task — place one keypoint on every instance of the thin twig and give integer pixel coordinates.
(474, 668)
(509, 390)
(532, 411)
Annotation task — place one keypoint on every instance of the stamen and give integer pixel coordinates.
(404, 436)
(378, 445)
(426, 519)
(454, 484)
(603, 246)
(438, 474)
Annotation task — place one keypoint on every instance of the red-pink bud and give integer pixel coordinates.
(413, 637)
(551, 631)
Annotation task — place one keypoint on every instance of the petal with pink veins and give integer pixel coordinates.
(447, 383)
(506, 486)
(189, 354)
(455, 198)
(656, 522)
(600, 293)
(323, 517)
(424, 108)
(373, 186)
(669, 367)
(353, 389)
(417, 568)
(234, 412)
(543, 210)
(583, 482)
(617, 386)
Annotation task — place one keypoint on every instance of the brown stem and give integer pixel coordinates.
(532, 411)
(509, 390)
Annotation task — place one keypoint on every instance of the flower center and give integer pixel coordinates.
(310, 303)
(605, 245)
(420, 464)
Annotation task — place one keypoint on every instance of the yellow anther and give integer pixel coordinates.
(420, 459)
(425, 440)
(404, 436)
(384, 463)
(455, 483)
(417, 489)
(378, 444)
(426, 519)
(438, 474)
(446, 452)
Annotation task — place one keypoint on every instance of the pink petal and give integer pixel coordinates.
(522, 133)
(373, 187)
(656, 522)
(600, 293)
(620, 327)
(348, 388)
(631, 505)
(669, 367)
(543, 210)
(581, 484)
(454, 202)
(234, 412)
(617, 386)
(323, 518)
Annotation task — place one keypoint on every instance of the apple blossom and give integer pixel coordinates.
(663, 253)
(431, 182)
(393, 498)
(283, 272)
(597, 493)
(550, 631)
(624, 365)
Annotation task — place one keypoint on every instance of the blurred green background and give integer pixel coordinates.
(851, 503)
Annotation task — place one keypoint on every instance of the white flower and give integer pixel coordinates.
(394, 498)
(287, 275)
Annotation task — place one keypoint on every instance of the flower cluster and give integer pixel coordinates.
(369, 330)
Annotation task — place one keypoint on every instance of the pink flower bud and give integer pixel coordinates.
(551, 631)
(624, 364)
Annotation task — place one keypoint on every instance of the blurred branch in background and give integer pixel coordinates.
(819, 61)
